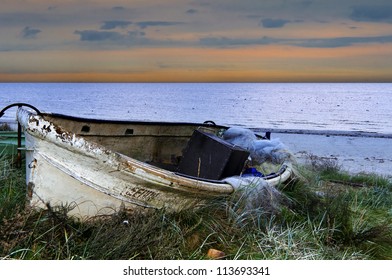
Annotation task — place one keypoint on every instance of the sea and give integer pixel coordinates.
(342, 107)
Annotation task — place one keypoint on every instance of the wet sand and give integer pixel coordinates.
(355, 152)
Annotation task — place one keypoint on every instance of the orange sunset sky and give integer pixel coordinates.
(196, 41)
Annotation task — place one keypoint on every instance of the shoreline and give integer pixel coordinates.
(355, 153)
(326, 133)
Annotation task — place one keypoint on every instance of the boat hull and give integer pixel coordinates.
(89, 187)
(65, 169)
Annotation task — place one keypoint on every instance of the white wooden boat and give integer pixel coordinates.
(100, 166)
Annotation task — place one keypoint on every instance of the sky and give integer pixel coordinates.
(196, 41)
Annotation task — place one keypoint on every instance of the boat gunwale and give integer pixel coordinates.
(136, 122)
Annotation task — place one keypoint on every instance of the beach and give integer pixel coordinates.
(353, 152)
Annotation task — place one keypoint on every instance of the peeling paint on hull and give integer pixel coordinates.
(83, 163)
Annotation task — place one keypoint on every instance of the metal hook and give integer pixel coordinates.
(19, 156)
(19, 105)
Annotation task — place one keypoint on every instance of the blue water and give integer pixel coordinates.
(311, 106)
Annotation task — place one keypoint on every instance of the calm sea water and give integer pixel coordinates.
(311, 106)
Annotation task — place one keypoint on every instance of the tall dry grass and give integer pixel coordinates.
(321, 216)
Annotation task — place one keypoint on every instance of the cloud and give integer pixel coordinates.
(118, 8)
(96, 36)
(192, 11)
(145, 24)
(273, 23)
(231, 42)
(113, 24)
(30, 33)
(337, 42)
(136, 34)
(118, 38)
(372, 13)
(342, 41)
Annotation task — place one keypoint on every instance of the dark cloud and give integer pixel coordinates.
(342, 41)
(306, 43)
(372, 13)
(112, 37)
(30, 33)
(113, 24)
(96, 36)
(192, 11)
(231, 42)
(145, 24)
(273, 23)
(118, 8)
(136, 34)
(163, 65)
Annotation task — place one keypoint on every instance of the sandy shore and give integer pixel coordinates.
(354, 151)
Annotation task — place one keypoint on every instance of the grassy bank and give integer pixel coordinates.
(325, 214)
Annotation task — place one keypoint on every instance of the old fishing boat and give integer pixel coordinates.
(101, 166)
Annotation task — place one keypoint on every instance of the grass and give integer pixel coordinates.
(326, 214)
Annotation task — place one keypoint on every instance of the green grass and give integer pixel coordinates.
(326, 214)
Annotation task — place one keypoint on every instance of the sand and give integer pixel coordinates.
(355, 152)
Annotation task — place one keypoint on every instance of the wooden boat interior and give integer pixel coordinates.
(159, 144)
